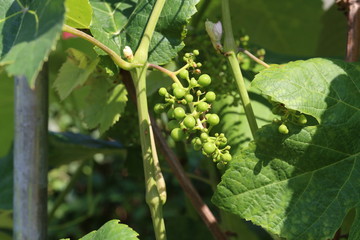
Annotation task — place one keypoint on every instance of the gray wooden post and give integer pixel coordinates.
(30, 158)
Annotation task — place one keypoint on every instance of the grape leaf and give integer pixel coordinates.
(78, 13)
(74, 72)
(301, 185)
(112, 230)
(29, 32)
(105, 103)
(122, 23)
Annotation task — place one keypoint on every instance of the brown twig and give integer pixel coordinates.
(190, 191)
(253, 57)
(352, 9)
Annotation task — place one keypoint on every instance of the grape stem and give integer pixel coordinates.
(115, 57)
(154, 181)
(253, 57)
(230, 48)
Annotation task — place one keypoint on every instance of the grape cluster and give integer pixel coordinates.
(188, 111)
(287, 115)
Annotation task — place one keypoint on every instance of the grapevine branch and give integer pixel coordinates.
(229, 48)
(352, 50)
(190, 191)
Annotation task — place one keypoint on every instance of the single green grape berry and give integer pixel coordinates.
(204, 136)
(170, 113)
(193, 82)
(189, 121)
(184, 74)
(220, 165)
(209, 147)
(173, 124)
(210, 96)
(187, 55)
(196, 52)
(302, 119)
(204, 80)
(175, 85)
(159, 108)
(179, 113)
(196, 142)
(226, 157)
(283, 129)
(189, 98)
(213, 119)
(199, 64)
(202, 107)
(179, 92)
(162, 91)
(177, 134)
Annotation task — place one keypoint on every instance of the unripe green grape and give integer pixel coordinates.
(179, 92)
(173, 124)
(189, 121)
(209, 147)
(220, 165)
(184, 74)
(189, 98)
(196, 52)
(210, 96)
(177, 134)
(226, 157)
(162, 91)
(202, 107)
(187, 55)
(204, 136)
(302, 119)
(179, 113)
(204, 80)
(196, 142)
(199, 64)
(213, 119)
(159, 108)
(170, 113)
(283, 129)
(175, 85)
(193, 82)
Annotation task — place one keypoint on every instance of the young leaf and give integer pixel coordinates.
(74, 72)
(112, 230)
(105, 104)
(301, 185)
(29, 32)
(122, 24)
(78, 13)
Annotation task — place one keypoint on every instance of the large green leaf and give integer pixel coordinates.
(112, 230)
(104, 104)
(301, 185)
(122, 23)
(78, 13)
(29, 30)
(74, 72)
